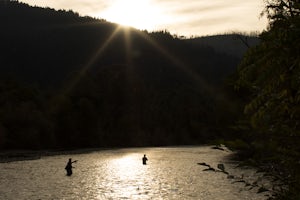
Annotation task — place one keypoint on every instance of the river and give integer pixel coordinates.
(170, 173)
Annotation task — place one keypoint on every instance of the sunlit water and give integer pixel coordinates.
(171, 173)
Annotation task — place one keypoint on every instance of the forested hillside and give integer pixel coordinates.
(69, 81)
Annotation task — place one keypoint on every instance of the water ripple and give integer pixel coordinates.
(171, 173)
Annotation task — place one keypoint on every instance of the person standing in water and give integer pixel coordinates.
(145, 159)
(69, 167)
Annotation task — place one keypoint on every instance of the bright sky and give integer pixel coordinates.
(187, 18)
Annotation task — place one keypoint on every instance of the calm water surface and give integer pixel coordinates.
(171, 173)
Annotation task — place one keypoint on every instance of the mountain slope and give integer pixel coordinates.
(71, 81)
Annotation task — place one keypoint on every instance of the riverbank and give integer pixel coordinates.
(18, 155)
(21, 155)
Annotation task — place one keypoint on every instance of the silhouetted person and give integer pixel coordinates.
(145, 159)
(69, 167)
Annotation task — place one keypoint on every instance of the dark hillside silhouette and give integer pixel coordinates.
(69, 81)
(234, 44)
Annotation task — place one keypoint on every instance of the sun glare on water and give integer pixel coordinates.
(141, 14)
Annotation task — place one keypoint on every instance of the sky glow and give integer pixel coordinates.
(187, 18)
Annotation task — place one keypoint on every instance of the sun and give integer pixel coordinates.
(141, 14)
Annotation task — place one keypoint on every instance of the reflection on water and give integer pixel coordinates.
(170, 173)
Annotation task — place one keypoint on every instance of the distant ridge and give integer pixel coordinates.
(232, 44)
(42, 42)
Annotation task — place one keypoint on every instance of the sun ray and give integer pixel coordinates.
(68, 87)
(92, 60)
(178, 63)
(127, 39)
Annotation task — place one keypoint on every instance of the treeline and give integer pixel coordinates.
(69, 81)
(268, 80)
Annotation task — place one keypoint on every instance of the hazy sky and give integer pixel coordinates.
(181, 17)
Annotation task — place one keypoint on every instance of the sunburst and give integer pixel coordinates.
(140, 14)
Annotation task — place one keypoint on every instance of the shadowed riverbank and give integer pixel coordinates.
(21, 155)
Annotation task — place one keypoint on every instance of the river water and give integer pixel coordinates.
(170, 173)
